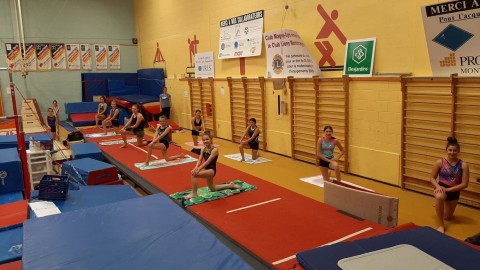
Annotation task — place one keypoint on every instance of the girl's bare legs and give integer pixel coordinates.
(334, 166)
(325, 175)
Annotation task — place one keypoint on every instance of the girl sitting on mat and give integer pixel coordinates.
(207, 168)
(250, 139)
(197, 126)
(102, 110)
(52, 124)
(325, 147)
(161, 140)
(134, 126)
(453, 174)
(112, 118)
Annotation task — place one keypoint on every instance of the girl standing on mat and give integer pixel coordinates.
(112, 118)
(197, 126)
(325, 147)
(102, 110)
(207, 168)
(165, 102)
(55, 108)
(161, 140)
(453, 174)
(134, 126)
(52, 124)
(250, 139)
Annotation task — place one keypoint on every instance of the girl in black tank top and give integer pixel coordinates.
(134, 126)
(207, 168)
(161, 141)
(250, 140)
(197, 126)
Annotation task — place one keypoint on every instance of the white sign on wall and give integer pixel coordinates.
(452, 30)
(204, 65)
(287, 56)
(241, 36)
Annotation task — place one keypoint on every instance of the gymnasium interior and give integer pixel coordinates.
(391, 80)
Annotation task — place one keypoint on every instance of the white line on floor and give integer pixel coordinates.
(253, 205)
(142, 150)
(330, 243)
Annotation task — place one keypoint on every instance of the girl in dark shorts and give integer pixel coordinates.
(112, 118)
(453, 176)
(197, 126)
(134, 126)
(249, 139)
(52, 124)
(327, 160)
(102, 110)
(207, 168)
(161, 140)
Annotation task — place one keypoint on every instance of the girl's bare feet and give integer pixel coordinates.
(189, 196)
(441, 229)
(233, 185)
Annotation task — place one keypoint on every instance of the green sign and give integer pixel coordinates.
(359, 57)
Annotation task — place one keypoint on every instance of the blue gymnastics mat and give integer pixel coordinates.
(444, 248)
(150, 232)
(89, 196)
(11, 243)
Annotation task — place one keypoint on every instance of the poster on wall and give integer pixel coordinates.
(59, 57)
(114, 56)
(86, 56)
(14, 56)
(452, 30)
(359, 57)
(241, 36)
(44, 56)
(100, 56)
(73, 56)
(30, 57)
(287, 56)
(204, 65)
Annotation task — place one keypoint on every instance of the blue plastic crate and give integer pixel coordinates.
(53, 187)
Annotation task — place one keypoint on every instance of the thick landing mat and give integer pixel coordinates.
(11, 243)
(444, 248)
(205, 195)
(150, 232)
(13, 213)
(161, 163)
(248, 158)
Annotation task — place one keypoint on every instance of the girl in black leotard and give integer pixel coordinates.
(197, 126)
(134, 126)
(52, 124)
(250, 139)
(207, 168)
(112, 118)
(102, 110)
(161, 140)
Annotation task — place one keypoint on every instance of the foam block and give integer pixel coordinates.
(10, 141)
(364, 204)
(86, 150)
(11, 176)
(90, 171)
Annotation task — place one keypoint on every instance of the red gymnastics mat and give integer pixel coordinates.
(13, 213)
(272, 222)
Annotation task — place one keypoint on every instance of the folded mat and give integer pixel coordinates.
(160, 163)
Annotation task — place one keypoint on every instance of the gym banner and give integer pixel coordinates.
(30, 57)
(204, 65)
(114, 56)
(452, 30)
(100, 56)
(14, 56)
(359, 56)
(73, 56)
(44, 56)
(241, 36)
(59, 56)
(86, 56)
(287, 56)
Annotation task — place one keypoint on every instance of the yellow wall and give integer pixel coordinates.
(375, 107)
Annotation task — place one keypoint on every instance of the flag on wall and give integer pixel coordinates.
(73, 56)
(100, 56)
(30, 57)
(44, 56)
(86, 55)
(114, 56)
(14, 56)
(59, 57)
